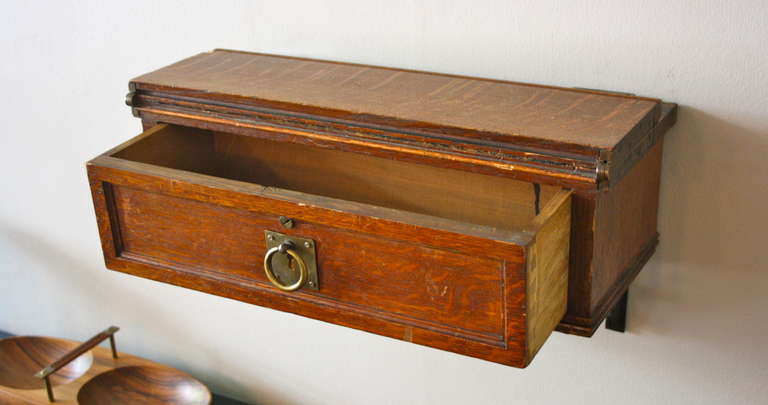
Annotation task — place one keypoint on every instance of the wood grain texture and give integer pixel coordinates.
(491, 158)
(573, 137)
(441, 282)
(583, 316)
(507, 109)
(449, 291)
(625, 221)
(616, 233)
(150, 385)
(547, 260)
(431, 176)
(613, 235)
(497, 201)
(100, 361)
(21, 357)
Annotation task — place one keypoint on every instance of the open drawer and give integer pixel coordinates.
(460, 261)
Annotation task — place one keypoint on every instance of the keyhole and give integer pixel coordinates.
(287, 276)
(291, 263)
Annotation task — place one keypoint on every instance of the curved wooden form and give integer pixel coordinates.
(144, 385)
(73, 354)
(22, 356)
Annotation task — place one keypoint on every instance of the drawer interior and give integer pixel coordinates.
(446, 193)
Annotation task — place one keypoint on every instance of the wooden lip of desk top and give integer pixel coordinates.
(556, 129)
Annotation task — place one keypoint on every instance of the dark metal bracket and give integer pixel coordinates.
(617, 317)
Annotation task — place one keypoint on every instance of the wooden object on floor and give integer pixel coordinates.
(436, 202)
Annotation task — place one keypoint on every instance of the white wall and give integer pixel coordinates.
(698, 311)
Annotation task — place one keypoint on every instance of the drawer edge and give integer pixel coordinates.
(338, 315)
(215, 190)
(547, 271)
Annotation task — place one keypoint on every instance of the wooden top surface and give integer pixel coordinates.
(507, 110)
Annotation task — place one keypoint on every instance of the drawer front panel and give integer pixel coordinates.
(444, 289)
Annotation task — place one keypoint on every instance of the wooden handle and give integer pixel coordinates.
(75, 353)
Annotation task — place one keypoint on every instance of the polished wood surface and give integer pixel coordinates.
(216, 399)
(587, 307)
(569, 137)
(75, 353)
(149, 385)
(583, 317)
(503, 110)
(441, 276)
(92, 365)
(526, 164)
(22, 357)
(436, 179)
(389, 276)
(584, 168)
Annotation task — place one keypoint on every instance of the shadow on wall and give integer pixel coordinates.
(713, 191)
(88, 305)
(710, 266)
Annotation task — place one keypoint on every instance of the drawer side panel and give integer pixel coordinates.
(548, 272)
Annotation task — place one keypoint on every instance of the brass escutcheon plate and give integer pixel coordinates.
(281, 263)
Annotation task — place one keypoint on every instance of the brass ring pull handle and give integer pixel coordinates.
(287, 248)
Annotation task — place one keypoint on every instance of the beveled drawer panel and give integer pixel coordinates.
(438, 287)
(464, 262)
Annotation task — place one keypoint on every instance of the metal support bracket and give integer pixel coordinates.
(617, 317)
